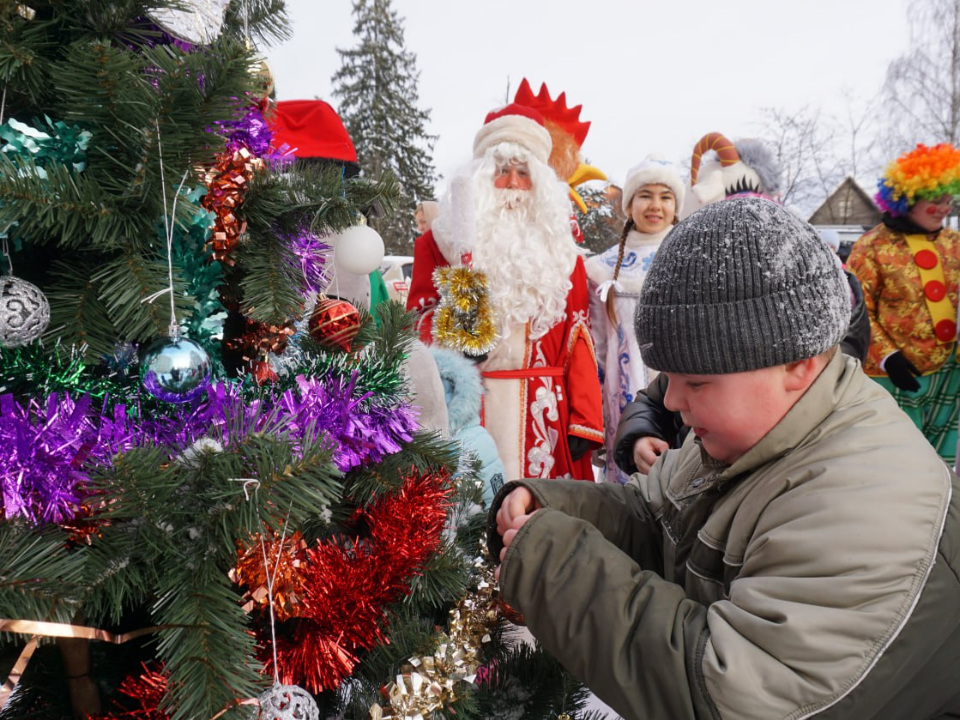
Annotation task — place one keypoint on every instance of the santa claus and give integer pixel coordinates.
(508, 220)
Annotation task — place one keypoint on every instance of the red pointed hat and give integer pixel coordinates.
(312, 129)
(514, 124)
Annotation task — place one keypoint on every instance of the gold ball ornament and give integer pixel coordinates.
(262, 75)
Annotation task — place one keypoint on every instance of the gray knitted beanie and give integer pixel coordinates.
(741, 284)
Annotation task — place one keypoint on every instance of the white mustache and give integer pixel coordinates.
(510, 198)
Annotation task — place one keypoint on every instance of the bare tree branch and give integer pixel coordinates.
(922, 90)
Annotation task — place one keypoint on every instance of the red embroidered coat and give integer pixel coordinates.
(540, 391)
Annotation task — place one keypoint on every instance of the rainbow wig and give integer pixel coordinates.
(924, 173)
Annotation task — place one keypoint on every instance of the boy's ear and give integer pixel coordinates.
(800, 374)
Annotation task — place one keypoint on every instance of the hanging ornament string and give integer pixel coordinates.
(168, 224)
(173, 369)
(6, 255)
(271, 577)
(279, 702)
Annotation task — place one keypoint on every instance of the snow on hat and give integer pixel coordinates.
(514, 124)
(740, 285)
(652, 170)
(312, 129)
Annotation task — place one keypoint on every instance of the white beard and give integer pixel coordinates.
(528, 263)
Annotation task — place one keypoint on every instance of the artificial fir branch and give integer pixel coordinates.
(207, 648)
(58, 208)
(126, 283)
(303, 193)
(265, 20)
(270, 289)
(23, 49)
(38, 571)
(77, 314)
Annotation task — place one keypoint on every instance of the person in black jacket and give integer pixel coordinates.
(647, 429)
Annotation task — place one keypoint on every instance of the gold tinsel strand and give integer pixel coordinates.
(464, 319)
(429, 682)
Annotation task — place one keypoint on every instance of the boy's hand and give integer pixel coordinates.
(516, 509)
(646, 450)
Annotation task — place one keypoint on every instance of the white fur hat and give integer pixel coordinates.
(652, 170)
(514, 124)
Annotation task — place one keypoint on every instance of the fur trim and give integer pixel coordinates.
(757, 157)
(519, 129)
(652, 170)
(463, 387)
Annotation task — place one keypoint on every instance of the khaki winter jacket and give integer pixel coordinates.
(815, 577)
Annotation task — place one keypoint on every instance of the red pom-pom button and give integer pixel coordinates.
(935, 290)
(927, 259)
(946, 330)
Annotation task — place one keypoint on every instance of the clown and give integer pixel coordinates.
(909, 267)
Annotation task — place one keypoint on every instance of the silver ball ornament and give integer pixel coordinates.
(175, 370)
(24, 312)
(199, 21)
(288, 702)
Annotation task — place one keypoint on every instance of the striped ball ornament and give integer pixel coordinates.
(334, 323)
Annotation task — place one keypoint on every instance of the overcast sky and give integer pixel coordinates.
(652, 77)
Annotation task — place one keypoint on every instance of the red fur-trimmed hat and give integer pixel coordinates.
(514, 124)
(312, 129)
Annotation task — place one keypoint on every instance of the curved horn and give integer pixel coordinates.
(717, 142)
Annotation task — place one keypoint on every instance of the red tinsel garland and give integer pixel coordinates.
(147, 689)
(350, 582)
(347, 584)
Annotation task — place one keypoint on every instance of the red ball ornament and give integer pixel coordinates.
(508, 612)
(334, 322)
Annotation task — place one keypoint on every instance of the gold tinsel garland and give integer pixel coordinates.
(429, 682)
(464, 318)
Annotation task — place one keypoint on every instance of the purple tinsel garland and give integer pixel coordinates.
(47, 451)
(311, 253)
(44, 451)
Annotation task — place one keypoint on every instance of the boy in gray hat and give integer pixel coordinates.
(798, 556)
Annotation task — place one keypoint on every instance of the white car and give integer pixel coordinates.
(397, 271)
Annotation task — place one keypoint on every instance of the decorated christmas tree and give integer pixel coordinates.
(216, 500)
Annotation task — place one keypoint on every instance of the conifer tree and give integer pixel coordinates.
(377, 89)
(177, 531)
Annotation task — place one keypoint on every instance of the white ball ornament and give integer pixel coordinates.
(24, 312)
(359, 250)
